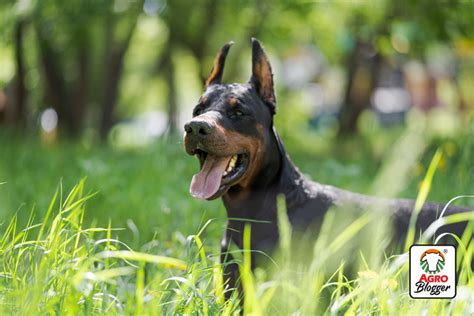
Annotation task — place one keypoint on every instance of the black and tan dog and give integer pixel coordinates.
(243, 161)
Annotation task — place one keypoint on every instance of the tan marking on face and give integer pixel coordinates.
(233, 101)
(253, 146)
(256, 158)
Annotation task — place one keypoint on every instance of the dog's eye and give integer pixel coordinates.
(236, 113)
(197, 111)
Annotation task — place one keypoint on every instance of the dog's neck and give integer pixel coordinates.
(278, 175)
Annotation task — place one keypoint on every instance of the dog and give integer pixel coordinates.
(243, 161)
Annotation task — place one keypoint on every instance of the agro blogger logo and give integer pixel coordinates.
(432, 271)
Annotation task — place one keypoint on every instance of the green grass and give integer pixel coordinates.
(69, 268)
(130, 240)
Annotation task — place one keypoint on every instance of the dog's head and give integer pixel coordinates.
(231, 125)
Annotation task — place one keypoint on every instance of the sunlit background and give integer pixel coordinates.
(95, 212)
(91, 88)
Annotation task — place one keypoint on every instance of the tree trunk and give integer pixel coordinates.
(113, 74)
(19, 112)
(169, 73)
(79, 101)
(55, 88)
(362, 76)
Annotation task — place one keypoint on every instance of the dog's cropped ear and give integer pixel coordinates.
(262, 76)
(215, 76)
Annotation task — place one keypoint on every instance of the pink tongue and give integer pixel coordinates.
(206, 183)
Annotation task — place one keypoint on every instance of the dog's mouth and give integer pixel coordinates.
(218, 173)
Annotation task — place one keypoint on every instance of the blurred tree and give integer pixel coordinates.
(70, 55)
(66, 34)
(410, 28)
(119, 30)
(20, 111)
(64, 60)
(13, 107)
(362, 65)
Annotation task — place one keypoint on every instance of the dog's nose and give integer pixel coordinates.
(198, 128)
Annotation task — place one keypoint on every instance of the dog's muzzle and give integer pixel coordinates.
(219, 167)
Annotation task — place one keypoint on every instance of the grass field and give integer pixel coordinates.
(99, 230)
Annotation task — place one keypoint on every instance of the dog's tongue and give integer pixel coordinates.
(206, 183)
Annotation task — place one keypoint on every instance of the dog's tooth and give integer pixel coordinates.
(233, 161)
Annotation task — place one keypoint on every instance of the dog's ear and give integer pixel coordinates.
(215, 76)
(262, 76)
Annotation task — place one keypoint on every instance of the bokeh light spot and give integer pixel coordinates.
(49, 120)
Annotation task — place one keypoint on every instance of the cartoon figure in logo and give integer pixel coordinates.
(432, 261)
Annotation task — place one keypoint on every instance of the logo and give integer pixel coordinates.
(432, 271)
(432, 261)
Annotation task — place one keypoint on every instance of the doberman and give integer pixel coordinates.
(243, 161)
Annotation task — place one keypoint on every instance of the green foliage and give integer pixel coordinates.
(133, 241)
(68, 47)
(69, 268)
(59, 265)
(144, 186)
